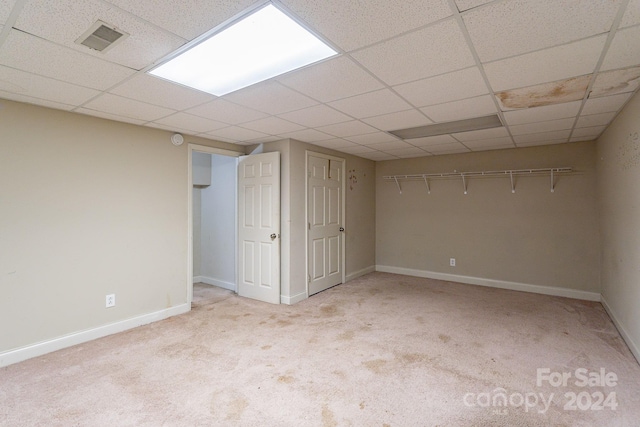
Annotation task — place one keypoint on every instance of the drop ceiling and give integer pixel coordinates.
(555, 71)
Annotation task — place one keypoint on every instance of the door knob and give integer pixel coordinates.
(273, 236)
(341, 228)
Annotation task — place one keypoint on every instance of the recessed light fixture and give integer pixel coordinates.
(260, 46)
(465, 125)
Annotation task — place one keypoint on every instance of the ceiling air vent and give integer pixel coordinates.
(101, 37)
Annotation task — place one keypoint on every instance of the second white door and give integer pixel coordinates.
(325, 222)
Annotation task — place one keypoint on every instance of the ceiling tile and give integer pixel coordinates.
(352, 24)
(153, 90)
(306, 135)
(399, 120)
(193, 123)
(631, 15)
(31, 85)
(345, 129)
(470, 4)
(405, 153)
(372, 138)
(570, 60)
(272, 126)
(541, 114)
(448, 87)
(389, 145)
(226, 112)
(542, 136)
(452, 148)
(624, 50)
(590, 132)
(508, 28)
(237, 133)
(605, 104)
(5, 10)
(545, 94)
(490, 144)
(378, 156)
(371, 104)
(145, 44)
(581, 138)
(109, 116)
(358, 149)
(186, 18)
(336, 144)
(616, 81)
(547, 126)
(595, 120)
(542, 142)
(475, 135)
(120, 106)
(457, 110)
(432, 140)
(331, 80)
(320, 115)
(443, 49)
(50, 60)
(270, 97)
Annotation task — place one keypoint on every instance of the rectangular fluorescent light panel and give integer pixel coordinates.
(466, 125)
(262, 45)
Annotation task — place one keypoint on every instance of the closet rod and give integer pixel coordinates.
(553, 172)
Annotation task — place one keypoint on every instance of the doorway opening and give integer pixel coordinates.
(212, 260)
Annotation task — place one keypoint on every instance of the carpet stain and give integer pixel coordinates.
(265, 347)
(328, 310)
(347, 336)
(328, 419)
(286, 379)
(374, 291)
(414, 357)
(444, 338)
(376, 365)
(340, 374)
(236, 408)
(284, 323)
(362, 405)
(420, 320)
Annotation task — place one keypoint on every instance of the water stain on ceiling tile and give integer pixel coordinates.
(568, 90)
(616, 81)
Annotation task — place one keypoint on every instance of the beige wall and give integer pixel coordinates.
(532, 237)
(360, 215)
(619, 202)
(88, 207)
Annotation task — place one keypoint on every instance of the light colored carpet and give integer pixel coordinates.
(204, 294)
(382, 350)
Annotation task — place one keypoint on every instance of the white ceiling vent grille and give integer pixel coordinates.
(101, 37)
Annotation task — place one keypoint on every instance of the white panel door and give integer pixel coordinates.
(325, 223)
(259, 227)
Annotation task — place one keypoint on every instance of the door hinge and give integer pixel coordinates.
(309, 224)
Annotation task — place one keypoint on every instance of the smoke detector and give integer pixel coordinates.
(101, 37)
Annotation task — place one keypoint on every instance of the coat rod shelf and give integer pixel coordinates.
(511, 173)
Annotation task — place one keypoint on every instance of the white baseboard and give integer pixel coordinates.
(501, 284)
(359, 273)
(34, 350)
(215, 282)
(294, 299)
(635, 349)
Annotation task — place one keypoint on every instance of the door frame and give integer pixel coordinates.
(343, 216)
(209, 150)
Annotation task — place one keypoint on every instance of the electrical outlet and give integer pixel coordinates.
(111, 300)
(452, 262)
